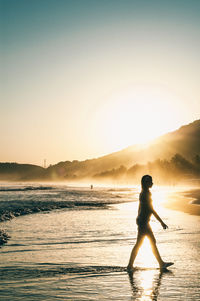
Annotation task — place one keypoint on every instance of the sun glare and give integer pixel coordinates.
(135, 117)
(145, 257)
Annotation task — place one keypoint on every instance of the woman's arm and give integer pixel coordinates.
(159, 219)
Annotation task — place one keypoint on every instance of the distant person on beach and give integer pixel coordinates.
(144, 213)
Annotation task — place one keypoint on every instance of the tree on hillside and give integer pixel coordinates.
(180, 163)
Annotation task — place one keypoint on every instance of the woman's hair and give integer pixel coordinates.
(145, 179)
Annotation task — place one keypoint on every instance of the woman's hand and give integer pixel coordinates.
(164, 225)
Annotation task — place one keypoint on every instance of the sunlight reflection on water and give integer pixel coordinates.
(145, 284)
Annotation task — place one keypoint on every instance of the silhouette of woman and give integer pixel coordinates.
(144, 213)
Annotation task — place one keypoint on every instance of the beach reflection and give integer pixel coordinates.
(145, 283)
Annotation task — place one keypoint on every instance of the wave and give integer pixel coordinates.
(14, 204)
(51, 270)
(11, 209)
(45, 270)
(73, 242)
(28, 188)
(15, 208)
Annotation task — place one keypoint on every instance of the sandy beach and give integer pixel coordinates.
(187, 201)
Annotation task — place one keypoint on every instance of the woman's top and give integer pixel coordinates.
(145, 208)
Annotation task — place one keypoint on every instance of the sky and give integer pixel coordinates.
(84, 78)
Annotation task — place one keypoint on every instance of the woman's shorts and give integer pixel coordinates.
(145, 230)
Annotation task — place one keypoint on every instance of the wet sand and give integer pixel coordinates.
(185, 201)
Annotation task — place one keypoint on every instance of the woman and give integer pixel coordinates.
(144, 213)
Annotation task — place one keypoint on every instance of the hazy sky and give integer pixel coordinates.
(80, 79)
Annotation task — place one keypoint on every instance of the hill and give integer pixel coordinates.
(22, 172)
(184, 141)
(174, 153)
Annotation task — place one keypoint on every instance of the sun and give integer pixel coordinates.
(136, 116)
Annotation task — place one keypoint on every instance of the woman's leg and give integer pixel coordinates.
(155, 251)
(135, 249)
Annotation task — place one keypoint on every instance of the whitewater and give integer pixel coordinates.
(73, 243)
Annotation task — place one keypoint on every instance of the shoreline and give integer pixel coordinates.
(187, 202)
(40, 207)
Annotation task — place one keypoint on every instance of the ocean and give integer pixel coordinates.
(74, 242)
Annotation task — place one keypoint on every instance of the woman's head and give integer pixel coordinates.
(146, 182)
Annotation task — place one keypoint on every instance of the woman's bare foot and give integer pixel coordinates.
(129, 268)
(166, 265)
